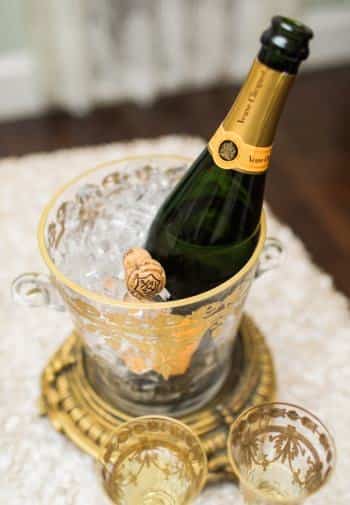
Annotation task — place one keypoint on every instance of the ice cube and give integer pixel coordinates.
(88, 193)
(103, 222)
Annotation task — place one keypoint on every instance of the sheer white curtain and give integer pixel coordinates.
(94, 51)
(91, 51)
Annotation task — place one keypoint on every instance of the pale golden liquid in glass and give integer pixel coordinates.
(153, 477)
(275, 484)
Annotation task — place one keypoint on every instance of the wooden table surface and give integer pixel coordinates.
(309, 180)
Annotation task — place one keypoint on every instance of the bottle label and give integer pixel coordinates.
(230, 152)
(243, 141)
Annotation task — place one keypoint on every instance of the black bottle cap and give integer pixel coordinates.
(285, 44)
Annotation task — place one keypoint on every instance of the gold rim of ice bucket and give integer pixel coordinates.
(105, 300)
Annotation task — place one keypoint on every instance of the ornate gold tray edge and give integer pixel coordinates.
(77, 411)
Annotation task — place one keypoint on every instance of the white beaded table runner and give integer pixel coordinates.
(305, 320)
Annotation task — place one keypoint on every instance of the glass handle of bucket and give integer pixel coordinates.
(36, 290)
(271, 256)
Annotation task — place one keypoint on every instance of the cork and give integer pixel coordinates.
(145, 277)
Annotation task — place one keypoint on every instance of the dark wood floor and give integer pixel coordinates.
(309, 181)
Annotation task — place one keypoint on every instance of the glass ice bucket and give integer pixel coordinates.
(170, 357)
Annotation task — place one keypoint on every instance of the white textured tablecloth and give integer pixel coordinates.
(307, 324)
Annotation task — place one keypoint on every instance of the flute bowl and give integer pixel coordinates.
(154, 460)
(281, 454)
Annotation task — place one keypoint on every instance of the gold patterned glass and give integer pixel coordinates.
(281, 454)
(164, 358)
(154, 461)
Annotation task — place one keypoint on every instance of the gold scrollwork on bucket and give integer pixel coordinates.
(160, 340)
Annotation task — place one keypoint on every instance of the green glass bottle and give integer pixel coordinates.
(208, 227)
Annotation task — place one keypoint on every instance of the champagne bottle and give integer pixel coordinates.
(208, 227)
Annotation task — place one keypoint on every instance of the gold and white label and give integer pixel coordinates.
(230, 152)
(243, 142)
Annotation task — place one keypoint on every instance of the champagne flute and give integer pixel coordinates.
(281, 454)
(154, 460)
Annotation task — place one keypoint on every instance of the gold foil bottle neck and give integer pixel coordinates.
(243, 141)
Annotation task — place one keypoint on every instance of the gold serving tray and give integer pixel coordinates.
(77, 411)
